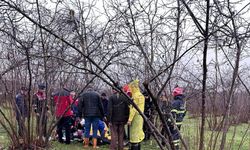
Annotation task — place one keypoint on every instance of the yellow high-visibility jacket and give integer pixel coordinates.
(136, 128)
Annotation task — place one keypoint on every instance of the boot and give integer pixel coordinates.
(95, 143)
(135, 146)
(86, 142)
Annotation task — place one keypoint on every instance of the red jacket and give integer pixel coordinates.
(63, 101)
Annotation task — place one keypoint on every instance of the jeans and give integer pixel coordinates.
(88, 122)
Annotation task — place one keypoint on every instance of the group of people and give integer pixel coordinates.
(99, 112)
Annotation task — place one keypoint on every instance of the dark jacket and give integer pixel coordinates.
(22, 109)
(90, 105)
(39, 101)
(105, 106)
(148, 107)
(118, 109)
(63, 101)
(178, 109)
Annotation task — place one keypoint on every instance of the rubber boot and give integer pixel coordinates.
(86, 142)
(95, 143)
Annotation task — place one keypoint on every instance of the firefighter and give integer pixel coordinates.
(178, 111)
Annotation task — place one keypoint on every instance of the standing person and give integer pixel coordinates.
(105, 105)
(40, 107)
(63, 101)
(90, 107)
(136, 134)
(21, 110)
(147, 111)
(178, 111)
(118, 113)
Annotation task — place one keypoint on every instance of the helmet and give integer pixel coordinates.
(177, 91)
(127, 90)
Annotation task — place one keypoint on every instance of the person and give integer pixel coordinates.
(104, 104)
(118, 113)
(63, 101)
(178, 111)
(147, 111)
(40, 108)
(75, 104)
(21, 110)
(102, 134)
(136, 134)
(90, 107)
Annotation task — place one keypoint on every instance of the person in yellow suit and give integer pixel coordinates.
(136, 134)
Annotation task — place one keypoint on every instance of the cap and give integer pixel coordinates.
(103, 94)
(41, 86)
(23, 88)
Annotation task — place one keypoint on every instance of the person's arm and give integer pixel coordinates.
(132, 112)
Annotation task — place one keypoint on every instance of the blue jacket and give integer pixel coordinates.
(178, 109)
(22, 109)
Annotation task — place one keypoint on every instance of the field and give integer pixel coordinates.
(190, 133)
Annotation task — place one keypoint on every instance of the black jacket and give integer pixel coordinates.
(90, 105)
(118, 109)
(178, 108)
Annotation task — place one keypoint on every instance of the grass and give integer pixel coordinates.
(79, 146)
(190, 133)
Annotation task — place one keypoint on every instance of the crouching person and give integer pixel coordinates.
(63, 101)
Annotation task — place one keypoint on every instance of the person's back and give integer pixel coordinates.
(63, 101)
(118, 114)
(178, 112)
(90, 105)
(179, 109)
(118, 109)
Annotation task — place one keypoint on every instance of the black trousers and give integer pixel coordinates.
(64, 123)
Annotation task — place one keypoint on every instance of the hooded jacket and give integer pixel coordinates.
(63, 101)
(136, 128)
